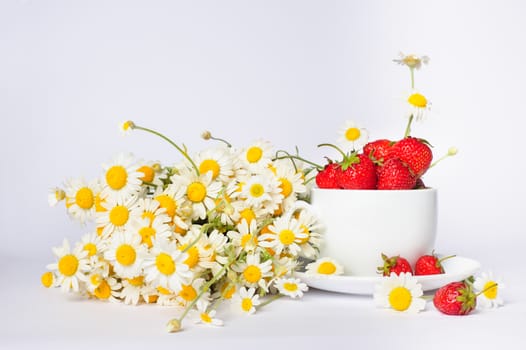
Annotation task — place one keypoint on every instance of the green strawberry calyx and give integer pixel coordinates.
(348, 159)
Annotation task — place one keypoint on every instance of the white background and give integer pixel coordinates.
(287, 71)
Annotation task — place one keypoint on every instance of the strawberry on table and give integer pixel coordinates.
(456, 298)
(396, 264)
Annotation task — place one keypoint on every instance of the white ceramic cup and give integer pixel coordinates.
(360, 225)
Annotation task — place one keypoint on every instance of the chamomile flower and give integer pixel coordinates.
(211, 248)
(152, 173)
(118, 215)
(256, 156)
(126, 127)
(291, 181)
(201, 191)
(353, 137)
(218, 161)
(418, 105)
(132, 290)
(311, 227)
(187, 243)
(324, 266)
(48, 279)
(121, 178)
(126, 254)
(55, 195)
(171, 199)
(284, 266)
(292, 287)
(285, 236)
(262, 190)
(247, 300)
(412, 61)
(253, 271)
(245, 211)
(400, 292)
(71, 266)
(93, 244)
(490, 296)
(149, 230)
(166, 297)
(165, 267)
(108, 289)
(189, 292)
(205, 316)
(80, 199)
(245, 238)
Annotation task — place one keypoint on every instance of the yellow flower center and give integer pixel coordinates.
(291, 287)
(147, 233)
(257, 190)
(188, 293)
(116, 177)
(411, 61)
(103, 291)
(247, 214)
(490, 292)
(246, 304)
(209, 165)
(228, 290)
(168, 203)
(136, 281)
(252, 273)
(127, 125)
(148, 215)
(326, 268)
(164, 291)
(84, 198)
(286, 187)
(400, 298)
(165, 264)
(352, 134)
(254, 154)
(417, 100)
(90, 248)
(206, 318)
(98, 204)
(47, 279)
(95, 279)
(305, 230)
(286, 237)
(196, 192)
(68, 265)
(193, 255)
(148, 172)
(125, 255)
(245, 239)
(119, 215)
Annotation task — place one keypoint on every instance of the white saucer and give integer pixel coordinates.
(456, 269)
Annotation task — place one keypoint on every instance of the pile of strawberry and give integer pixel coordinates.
(455, 298)
(383, 165)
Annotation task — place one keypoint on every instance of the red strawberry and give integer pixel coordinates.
(415, 153)
(456, 298)
(358, 173)
(430, 265)
(394, 175)
(378, 150)
(328, 177)
(395, 264)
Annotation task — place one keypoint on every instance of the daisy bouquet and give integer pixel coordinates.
(223, 224)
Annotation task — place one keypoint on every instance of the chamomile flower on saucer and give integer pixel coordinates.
(324, 266)
(121, 179)
(205, 316)
(292, 287)
(400, 292)
(285, 236)
(352, 137)
(256, 156)
(80, 199)
(247, 300)
(70, 267)
(418, 105)
(253, 272)
(218, 161)
(165, 267)
(126, 254)
(55, 195)
(490, 296)
(117, 217)
(201, 191)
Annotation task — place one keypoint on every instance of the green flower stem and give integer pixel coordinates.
(206, 287)
(412, 70)
(317, 166)
(183, 152)
(336, 148)
(275, 297)
(221, 140)
(204, 228)
(408, 127)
